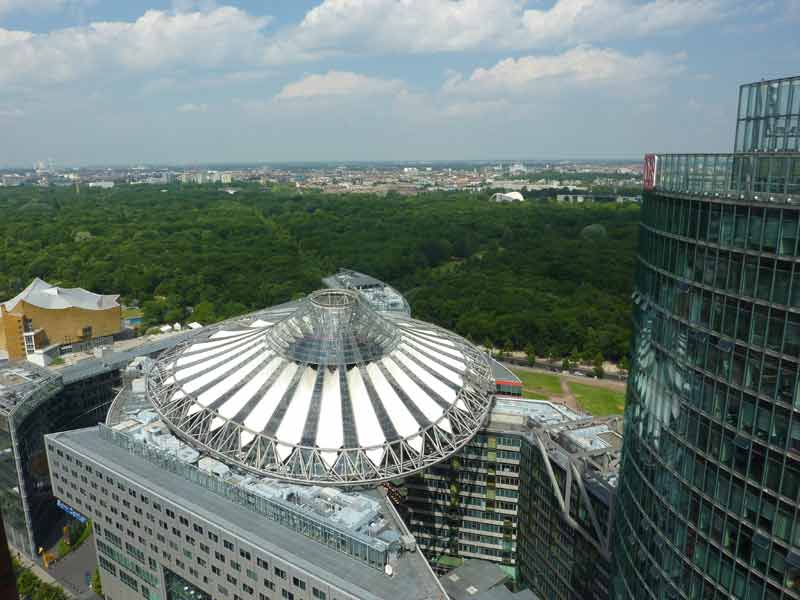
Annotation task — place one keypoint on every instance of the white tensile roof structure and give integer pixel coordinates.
(44, 295)
(507, 197)
(325, 390)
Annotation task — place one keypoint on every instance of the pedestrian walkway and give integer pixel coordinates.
(38, 570)
(76, 568)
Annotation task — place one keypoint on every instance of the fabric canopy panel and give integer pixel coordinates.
(325, 390)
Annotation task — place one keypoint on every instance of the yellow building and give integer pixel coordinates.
(45, 315)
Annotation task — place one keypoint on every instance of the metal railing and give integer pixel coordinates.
(758, 176)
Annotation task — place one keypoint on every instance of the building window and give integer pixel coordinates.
(280, 573)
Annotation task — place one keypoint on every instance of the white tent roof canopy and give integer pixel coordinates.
(329, 391)
(44, 295)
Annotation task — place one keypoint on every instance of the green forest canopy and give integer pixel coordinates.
(520, 276)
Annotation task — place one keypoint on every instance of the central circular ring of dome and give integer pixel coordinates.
(333, 328)
(334, 298)
(325, 390)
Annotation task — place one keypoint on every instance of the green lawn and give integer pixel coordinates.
(539, 384)
(598, 401)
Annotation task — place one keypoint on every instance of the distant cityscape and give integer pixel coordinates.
(372, 178)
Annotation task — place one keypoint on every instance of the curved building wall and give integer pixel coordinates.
(710, 487)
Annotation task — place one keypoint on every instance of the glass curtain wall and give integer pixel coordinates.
(710, 487)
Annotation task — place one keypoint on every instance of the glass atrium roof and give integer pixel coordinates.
(325, 390)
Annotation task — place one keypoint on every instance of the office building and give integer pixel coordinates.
(531, 492)
(45, 317)
(195, 488)
(568, 478)
(35, 401)
(709, 491)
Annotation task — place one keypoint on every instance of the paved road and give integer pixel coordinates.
(71, 570)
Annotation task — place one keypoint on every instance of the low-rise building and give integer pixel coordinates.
(481, 580)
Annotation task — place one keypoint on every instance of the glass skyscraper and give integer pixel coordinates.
(708, 500)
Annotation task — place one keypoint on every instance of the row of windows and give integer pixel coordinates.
(746, 367)
(746, 227)
(681, 557)
(157, 549)
(735, 274)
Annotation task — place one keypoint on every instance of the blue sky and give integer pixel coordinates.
(112, 81)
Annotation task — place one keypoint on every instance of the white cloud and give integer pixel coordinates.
(422, 26)
(190, 107)
(338, 83)
(157, 39)
(581, 65)
(581, 21)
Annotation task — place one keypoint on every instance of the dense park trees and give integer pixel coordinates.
(519, 276)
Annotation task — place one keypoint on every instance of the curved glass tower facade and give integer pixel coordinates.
(709, 494)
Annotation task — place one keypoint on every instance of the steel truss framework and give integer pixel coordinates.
(261, 451)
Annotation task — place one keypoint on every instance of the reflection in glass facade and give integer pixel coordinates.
(769, 116)
(179, 588)
(42, 406)
(708, 499)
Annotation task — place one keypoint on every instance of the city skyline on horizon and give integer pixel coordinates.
(198, 82)
(354, 163)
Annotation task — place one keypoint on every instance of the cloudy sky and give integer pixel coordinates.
(181, 81)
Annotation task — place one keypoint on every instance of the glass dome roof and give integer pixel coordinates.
(325, 390)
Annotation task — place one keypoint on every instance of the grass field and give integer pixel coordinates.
(598, 401)
(539, 385)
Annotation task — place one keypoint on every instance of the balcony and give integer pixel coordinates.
(772, 177)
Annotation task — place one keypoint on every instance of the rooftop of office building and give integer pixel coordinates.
(481, 580)
(381, 296)
(566, 434)
(19, 380)
(278, 515)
